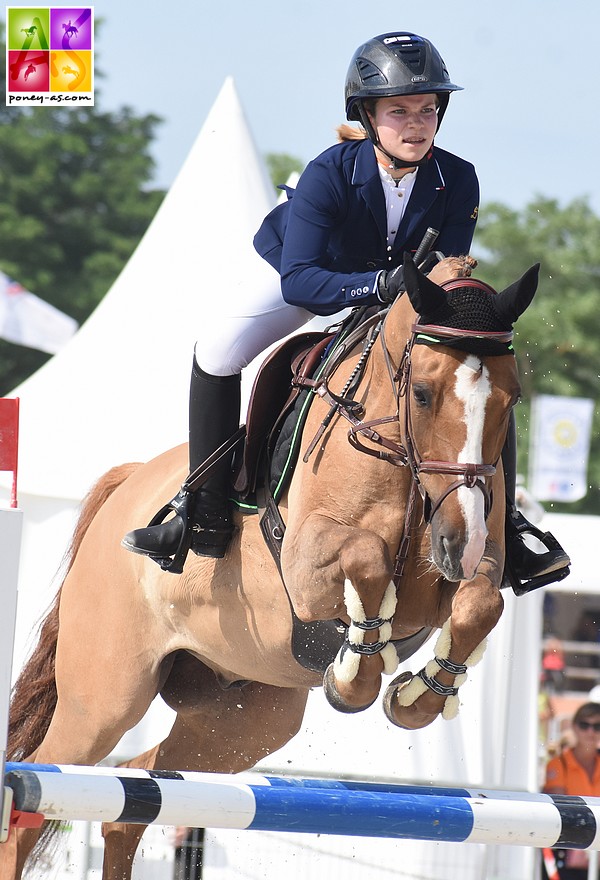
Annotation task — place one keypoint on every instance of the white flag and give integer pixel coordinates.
(28, 320)
(559, 447)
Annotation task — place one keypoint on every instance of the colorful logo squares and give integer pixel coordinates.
(49, 54)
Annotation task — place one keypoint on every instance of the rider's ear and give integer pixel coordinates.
(425, 296)
(513, 301)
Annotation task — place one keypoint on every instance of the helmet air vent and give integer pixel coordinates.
(370, 75)
(413, 56)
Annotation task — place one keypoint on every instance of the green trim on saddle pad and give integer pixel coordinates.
(286, 446)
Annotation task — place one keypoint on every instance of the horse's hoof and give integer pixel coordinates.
(334, 697)
(391, 694)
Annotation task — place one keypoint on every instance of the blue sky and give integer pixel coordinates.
(528, 118)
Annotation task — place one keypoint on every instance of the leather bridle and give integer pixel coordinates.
(470, 474)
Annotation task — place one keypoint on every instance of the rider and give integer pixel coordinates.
(339, 242)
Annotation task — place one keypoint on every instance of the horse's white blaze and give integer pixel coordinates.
(473, 388)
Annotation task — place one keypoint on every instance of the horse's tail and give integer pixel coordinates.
(33, 697)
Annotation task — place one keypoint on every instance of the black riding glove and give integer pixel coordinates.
(390, 284)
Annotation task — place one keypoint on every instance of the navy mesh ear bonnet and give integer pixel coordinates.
(470, 305)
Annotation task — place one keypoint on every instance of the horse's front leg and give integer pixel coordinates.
(339, 571)
(415, 701)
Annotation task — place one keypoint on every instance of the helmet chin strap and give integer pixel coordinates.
(395, 163)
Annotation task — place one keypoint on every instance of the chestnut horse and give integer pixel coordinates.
(391, 535)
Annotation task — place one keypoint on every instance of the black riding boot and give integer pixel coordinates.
(524, 569)
(213, 419)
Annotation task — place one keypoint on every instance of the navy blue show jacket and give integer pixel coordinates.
(329, 241)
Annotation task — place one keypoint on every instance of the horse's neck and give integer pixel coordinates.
(387, 354)
(338, 478)
(399, 324)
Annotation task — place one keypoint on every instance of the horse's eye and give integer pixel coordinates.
(421, 395)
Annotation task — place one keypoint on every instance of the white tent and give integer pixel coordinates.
(118, 392)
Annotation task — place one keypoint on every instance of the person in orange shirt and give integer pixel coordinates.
(575, 771)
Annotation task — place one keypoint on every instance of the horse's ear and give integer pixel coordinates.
(513, 301)
(425, 296)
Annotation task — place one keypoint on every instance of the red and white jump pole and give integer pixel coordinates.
(11, 526)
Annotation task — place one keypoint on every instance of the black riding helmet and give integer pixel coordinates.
(399, 63)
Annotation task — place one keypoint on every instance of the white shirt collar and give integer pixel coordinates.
(404, 182)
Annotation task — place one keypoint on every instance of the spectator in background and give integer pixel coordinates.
(574, 771)
(553, 666)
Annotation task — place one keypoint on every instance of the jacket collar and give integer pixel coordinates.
(365, 164)
(365, 176)
(428, 185)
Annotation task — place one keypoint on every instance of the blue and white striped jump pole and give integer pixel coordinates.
(318, 806)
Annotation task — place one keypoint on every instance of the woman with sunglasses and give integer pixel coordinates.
(575, 771)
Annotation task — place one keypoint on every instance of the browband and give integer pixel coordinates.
(456, 283)
(504, 336)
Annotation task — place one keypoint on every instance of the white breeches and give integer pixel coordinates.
(248, 319)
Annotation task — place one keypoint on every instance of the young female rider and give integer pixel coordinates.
(338, 242)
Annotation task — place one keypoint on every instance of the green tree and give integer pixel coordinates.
(556, 340)
(76, 199)
(280, 166)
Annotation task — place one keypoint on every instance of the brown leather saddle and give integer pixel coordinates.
(274, 393)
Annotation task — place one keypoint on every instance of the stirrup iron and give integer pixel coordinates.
(523, 586)
(184, 502)
(183, 507)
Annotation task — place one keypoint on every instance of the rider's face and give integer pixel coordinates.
(406, 125)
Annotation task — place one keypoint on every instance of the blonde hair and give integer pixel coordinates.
(347, 132)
